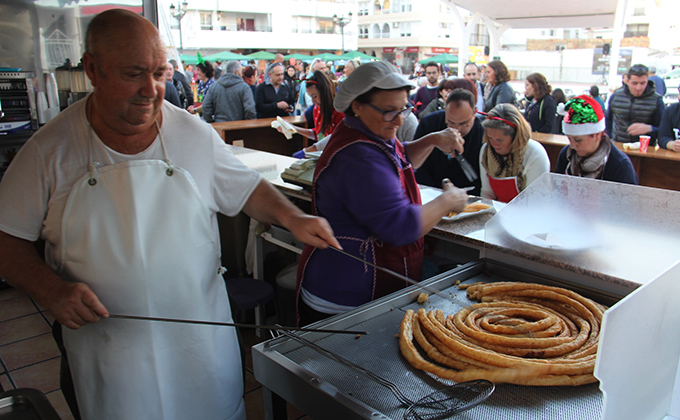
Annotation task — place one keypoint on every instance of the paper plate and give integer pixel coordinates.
(460, 216)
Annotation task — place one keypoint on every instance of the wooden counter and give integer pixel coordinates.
(658, 168)
(258, 134)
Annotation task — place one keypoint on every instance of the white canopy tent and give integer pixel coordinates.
(500, 15)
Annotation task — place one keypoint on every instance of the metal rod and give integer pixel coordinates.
(235, 324)
(388, 271)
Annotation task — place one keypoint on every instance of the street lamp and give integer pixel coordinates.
(342, 21)
(179, 15)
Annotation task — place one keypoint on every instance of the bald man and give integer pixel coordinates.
(124, 188)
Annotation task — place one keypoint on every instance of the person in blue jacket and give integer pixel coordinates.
(591, 154)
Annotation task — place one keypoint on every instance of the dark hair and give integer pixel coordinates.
(540, 84)
(290, 67)
(249, 71)
(638, 70)
(559, 96)
(458, 83)
(502, 74)
(462, 95)
(206, 68)
(326, 89)
(470, 63)
(431, 64)
(594, 91)
(305, 66)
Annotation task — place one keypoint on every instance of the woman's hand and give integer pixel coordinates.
(448, 140)
(456, 198)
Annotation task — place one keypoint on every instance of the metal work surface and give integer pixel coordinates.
(342, 389)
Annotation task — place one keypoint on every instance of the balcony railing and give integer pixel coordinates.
(244, 29)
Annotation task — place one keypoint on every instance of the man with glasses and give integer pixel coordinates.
(635, 109)
(274, 98)
(471, 73)
(457, 118)
(427, 93)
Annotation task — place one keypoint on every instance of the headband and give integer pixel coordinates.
(491, 117)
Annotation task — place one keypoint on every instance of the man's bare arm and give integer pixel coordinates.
(72, 304)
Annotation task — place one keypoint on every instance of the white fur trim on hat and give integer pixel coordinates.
(582, 129)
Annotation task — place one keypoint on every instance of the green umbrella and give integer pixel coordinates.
(331, 57)
(261, 55)
(443, 59)
(226, 56)
(298, 56)
(189, 59)
(362, 56)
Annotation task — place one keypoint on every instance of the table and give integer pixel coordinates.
(259, 135)
(658, 168)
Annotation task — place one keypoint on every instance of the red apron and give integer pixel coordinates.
(504, 188)
(406, 259)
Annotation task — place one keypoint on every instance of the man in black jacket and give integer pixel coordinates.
(274, 98)
(459, 114)
(186, 95)
(635, 109)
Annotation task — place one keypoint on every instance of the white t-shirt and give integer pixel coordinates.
(35, 188)
(536, 163)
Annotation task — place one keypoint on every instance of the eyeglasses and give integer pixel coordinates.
(389, 116)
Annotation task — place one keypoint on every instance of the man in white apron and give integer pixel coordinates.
(124, 189)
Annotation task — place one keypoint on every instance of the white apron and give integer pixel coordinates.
(140, 237)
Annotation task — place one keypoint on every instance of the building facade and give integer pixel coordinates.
(286, 26)
(407, 31)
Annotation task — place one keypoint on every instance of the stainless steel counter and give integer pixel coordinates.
(323, 389)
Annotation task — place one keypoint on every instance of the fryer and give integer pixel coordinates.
(521, 244)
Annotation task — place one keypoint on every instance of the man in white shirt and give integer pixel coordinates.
(125, 188)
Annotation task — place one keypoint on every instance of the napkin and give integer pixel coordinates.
(287, 129)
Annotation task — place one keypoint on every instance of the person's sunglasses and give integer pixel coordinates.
(389, 116)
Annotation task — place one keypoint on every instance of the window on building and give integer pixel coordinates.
(567, 34)
(206, 21)
(405, 29)
(386, 30)
(406, 6)
(542, 33)
(305, 25)
(552, 32)
(386, 6)
(576, 34)
(636, 29)
(639, 9)
(480, 36)
(377, 8)
(325, 27)
(363, 8)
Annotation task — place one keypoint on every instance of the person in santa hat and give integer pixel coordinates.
(591, 154)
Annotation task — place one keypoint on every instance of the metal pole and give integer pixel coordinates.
(342, 34)
(181, 49)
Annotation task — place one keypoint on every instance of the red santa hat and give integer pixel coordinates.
(582, 116)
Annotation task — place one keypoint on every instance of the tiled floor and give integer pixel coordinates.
(29, 358)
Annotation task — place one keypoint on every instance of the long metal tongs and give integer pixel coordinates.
(236, 324)
(393, 273)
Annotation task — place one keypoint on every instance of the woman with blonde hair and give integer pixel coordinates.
(509, 160)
